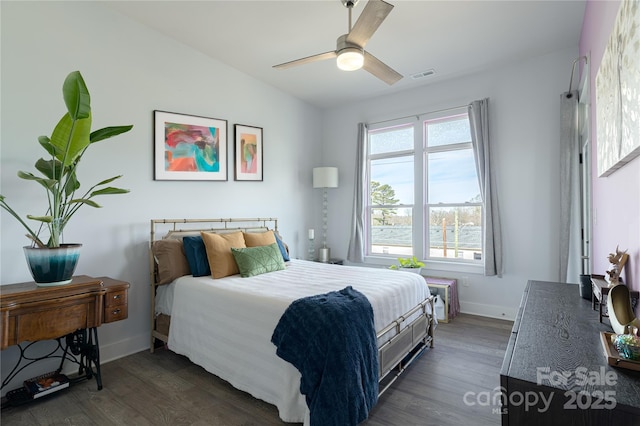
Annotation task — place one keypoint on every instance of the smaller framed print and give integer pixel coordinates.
(248, 152)
(189, 147)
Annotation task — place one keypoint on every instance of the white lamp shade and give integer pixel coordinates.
(325, 177)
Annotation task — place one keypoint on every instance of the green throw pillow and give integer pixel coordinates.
(258, 260)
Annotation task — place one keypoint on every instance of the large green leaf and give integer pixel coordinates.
(85, 201)
(71, 137)
(47, 168)
(46, 144)
(47, 183)
(108, 132)
(109, 191)
(76, 96)
(45, 219)
(71, 184)
(106, 181)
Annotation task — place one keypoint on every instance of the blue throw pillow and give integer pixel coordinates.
(283, 250)
(196, 255)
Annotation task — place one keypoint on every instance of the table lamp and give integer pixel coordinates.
(324, 177)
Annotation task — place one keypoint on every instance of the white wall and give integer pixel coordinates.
(131, 71)
(615, 198)
(524, 114)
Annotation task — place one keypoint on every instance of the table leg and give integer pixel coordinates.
(84, 343)
(600, 307)
(95, 356)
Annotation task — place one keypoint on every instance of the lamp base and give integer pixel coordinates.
(324, 254)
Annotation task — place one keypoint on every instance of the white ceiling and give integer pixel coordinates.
(452, 37)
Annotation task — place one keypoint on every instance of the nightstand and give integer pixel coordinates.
(450, 289)
(332, 261)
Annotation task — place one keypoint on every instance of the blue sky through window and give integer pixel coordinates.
(396, 172)
(452, 177)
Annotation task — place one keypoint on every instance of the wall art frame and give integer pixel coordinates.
(249, 157)
(618, 92)
(189, 147)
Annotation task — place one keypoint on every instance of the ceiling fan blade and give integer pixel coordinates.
(307, 60)
(368, 22)
(380, 69)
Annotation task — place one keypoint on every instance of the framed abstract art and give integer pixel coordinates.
(248, 153)
(618, 93)
(189, 147)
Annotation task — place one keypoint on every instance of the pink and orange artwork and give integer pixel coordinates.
(249, 149)
(189, 147)
(248, 153)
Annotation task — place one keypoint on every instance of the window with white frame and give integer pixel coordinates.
(423, 193)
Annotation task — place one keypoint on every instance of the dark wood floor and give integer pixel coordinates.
(167, 389)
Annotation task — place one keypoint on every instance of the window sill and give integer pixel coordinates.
(430, 265)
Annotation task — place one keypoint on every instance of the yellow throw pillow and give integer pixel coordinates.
(259, 239)
(219, 254)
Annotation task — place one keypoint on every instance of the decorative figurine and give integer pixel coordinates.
(617, 261)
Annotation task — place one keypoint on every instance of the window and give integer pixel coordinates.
(423, 193)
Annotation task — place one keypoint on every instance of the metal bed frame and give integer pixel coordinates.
(412, 334)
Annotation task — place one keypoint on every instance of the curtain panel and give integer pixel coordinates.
(570, 225)
(356, 242)
(492, 238)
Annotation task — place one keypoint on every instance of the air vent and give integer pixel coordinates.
(423, 74)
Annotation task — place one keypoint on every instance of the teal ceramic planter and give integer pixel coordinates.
(52, 266)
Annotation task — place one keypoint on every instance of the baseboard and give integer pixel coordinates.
(491, 311)
(123, 348)
(114, 351)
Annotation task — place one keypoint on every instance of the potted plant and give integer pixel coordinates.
(411, 264)
(53, 262)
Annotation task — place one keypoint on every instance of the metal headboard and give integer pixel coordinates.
(166, 226)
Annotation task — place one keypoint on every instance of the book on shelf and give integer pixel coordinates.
(46, 384)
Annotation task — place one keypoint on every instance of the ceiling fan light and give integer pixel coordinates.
(350, 59)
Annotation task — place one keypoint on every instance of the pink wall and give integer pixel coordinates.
(616, 198)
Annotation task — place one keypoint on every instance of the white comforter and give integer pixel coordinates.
(225, 325)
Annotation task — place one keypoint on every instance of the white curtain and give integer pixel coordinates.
(492, 248)
(570, 239)
(356, 242)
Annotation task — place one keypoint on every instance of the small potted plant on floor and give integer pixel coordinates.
(53, 262)
(410, 264)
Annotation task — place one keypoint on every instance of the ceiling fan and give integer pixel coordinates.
(350, 51)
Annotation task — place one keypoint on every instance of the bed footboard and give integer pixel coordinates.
(394, 356)
(409, 342)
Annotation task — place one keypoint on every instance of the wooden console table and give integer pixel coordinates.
(70, 312)
(599, 293)
(555, 371)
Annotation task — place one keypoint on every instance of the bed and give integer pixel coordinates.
(225, 324)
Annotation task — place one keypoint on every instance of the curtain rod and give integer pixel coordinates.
(418, 115)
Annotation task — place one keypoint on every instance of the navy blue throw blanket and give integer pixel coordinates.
(330, 338)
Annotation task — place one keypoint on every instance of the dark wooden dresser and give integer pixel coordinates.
(555, 371)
